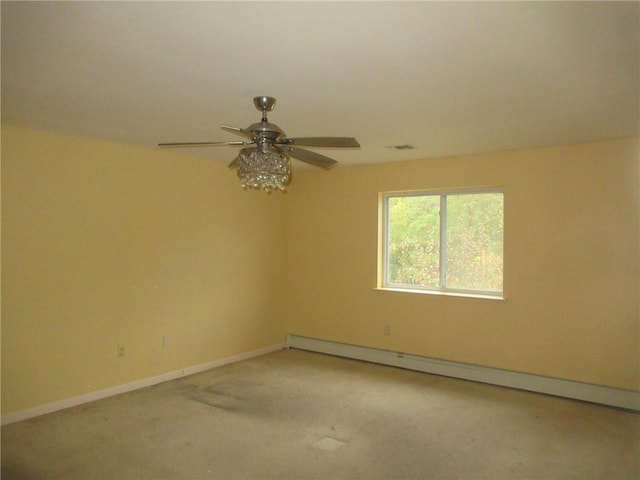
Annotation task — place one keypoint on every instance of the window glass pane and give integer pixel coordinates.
(413, 240)
(474, 241)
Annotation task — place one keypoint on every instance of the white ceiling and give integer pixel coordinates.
(447, 77)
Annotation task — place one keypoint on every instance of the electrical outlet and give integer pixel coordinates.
(121, 350)
(387, 329)
(166, 341)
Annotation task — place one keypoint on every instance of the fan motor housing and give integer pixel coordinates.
(266, 130)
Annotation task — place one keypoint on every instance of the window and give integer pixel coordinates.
(443, 242)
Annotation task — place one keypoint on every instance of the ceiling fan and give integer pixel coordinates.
(268, 137)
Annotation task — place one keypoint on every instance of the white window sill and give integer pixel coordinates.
(445, 293)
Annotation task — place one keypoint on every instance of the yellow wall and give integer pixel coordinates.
(105, 245)
(571, 263)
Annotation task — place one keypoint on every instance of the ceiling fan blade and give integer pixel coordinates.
(199, 144)
(311, 157)
(330, 142)
(238, 131)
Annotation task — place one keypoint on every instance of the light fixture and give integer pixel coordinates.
(266, 166)
(263, 168)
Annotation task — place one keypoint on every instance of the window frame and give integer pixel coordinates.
(441, 289)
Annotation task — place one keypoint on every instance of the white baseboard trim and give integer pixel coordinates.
(611, 396)
(128, 387)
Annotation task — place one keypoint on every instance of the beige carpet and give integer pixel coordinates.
(300, 415)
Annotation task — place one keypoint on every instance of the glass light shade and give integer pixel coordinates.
(263, 170)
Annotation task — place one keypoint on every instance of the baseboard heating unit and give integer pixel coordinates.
(615, 397)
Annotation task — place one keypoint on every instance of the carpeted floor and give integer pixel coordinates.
(300, 415)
